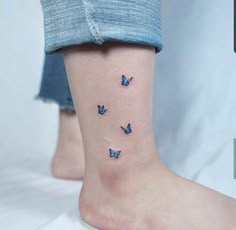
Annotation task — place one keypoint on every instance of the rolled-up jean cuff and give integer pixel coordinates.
(74, 22)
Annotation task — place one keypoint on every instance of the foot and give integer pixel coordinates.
(150, 197)
(68, 160)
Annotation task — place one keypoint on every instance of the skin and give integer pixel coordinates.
(68, 159)
(135, 191)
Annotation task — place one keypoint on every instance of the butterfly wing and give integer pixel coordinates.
(112, 153)
(99, 109)
(124, 80)
(129, 128)
(117, 154)
(130, 79)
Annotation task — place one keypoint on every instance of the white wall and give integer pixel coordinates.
(27, 127)
(195, 96)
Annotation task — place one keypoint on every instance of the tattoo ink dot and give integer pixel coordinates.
(114, 154)
(125, 81)
(101, 109)
(128, 129)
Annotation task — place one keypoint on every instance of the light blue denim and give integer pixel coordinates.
(73, 22)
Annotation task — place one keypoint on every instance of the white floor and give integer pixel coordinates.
(194, 110)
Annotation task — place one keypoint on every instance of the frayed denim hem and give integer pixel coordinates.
(62, 106)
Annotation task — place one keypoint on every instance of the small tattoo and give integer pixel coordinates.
(125, 81)
(128, 129)
(101, 109)
(114, 154)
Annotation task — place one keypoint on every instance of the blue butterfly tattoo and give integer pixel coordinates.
(101, 109)
(128, 129)
(114, 154)
(125, 81)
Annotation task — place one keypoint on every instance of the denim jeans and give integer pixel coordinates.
(74, 22)
(54, 84)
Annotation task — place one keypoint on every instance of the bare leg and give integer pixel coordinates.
(134, 191)
(68, 160)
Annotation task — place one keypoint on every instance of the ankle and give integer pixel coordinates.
(116, 185)
(114, 175)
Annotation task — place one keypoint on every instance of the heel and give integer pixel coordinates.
(87, 226)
